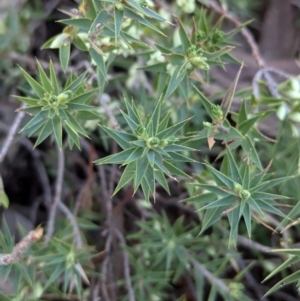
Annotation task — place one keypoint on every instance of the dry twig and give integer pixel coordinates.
(57, 196)
(11, 134)
(21, 247)
(126, 266)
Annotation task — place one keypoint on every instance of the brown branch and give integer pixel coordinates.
(11, 134)
(57, 196)
(207, 274)
(104, 269)
(21, 247)
(126, 266)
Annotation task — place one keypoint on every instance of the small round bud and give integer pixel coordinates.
(141, 131)
(63, 97)
(217, 112)
(153, 142)
(200, 62)
(244, 194)
(207, 125)
(237, 187)
(119, 6)
(192, 51)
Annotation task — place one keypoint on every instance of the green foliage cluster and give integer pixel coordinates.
(159, 149)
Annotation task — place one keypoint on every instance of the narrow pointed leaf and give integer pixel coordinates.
(135, 155)
(159, 163)
(132, 112)
(226, 103)
(75, 124)
(75, 85)
(155, 117)
(122, 138)
(133, 126)
(220, 178)
(150, 178)
(83, 23)
(57, 130)
(118, 158)
(287, 280)
(184, 39)
(226, 201)
(283, 266)
(180, 158)
(132, 15)
(258, 195)
(268, 207)
(72, 134)
(102, 18)
(4, 201)
(246, 125)
(126, 177)
(38, 89)
(36, 119)
(160, 178)
(164, 123)
(206, 103)
(207, 197)
(249, 148)
(82, 98)
(174, 82)
(175, 171)
(234, 218)
(268, 184)
(234, 171)
(247, 218)
(53, 78)
(46, 131)
(64, 55)
(172, 130)
(211, 216)
(44, 78)
(216, 189)
(28, 100)
(151, 157)
(141, 168)
(253, 205)
(177, 148)
(119, 14)
(258, 178)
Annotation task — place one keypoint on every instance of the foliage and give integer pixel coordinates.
(158, 138)
(149, 152)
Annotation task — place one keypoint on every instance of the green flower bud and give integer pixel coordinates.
(63, 97)
(237, 187)
(141, 131)
(70, 260)
(295, 117)
(207, 125)
(217, 112)
(244, 194)
(201, 35)
(153, 142)
(168, 141)
(119, 6)
(172, 140)
(143, 3)
(188, 65)
(53, 100)
(217, 36)
(191, 51)
(200, 62)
